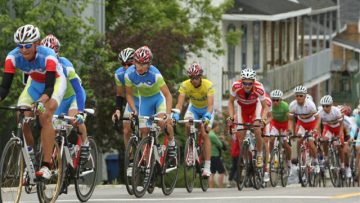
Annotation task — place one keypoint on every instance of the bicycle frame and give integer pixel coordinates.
(193, 134)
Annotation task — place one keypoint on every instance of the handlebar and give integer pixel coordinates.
(17, 108)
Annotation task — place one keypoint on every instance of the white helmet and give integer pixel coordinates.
(326, 100)
(126, 55)
(276, 94)
(248, 74)
(300, 89)
(27, 34)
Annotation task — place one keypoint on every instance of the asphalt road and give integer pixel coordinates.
(293, 193)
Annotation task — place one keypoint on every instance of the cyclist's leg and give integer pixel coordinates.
(160, 106)
(72, 111)
(257, 130)
(326, 135)
(144, 109)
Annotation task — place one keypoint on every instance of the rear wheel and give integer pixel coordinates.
(170, 172)
(86, 174)
(143, 166)
(11, 172)
(189, 164)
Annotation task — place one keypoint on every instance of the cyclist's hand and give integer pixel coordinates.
(40, 107)
(230, 120)
(79, 118)
(133, 115)
(176, 116)
(116, 116)
(207, 116)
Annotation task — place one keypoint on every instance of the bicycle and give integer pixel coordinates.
(17, 169)
(337, 175)
(247, 168)
(355, 174)
(194, 157)
(80, 165)
(278, 164)
(151, 159)
(130, 151)
(321, 178)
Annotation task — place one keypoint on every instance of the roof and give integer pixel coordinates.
(319, 6)
(267, 10)
(349, 11)
(349, 40)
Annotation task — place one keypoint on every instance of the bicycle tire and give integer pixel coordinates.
(284, 169)
(57, 169)
(12, 151)
(140, 171)
(274, 167)
(91, 165)
(353, 167)
(170, 172)
(129, 153)
(204, 180)
(303, 174)
(334, 168)
(243, 165)
(189, 167)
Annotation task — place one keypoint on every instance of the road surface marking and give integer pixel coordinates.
(344, 196)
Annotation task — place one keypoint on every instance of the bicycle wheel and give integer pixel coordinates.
(258, 174)
(142, 172)
(243, 165)
(204, 180)
(128, 163)
(312, 176)
(86, 174)
(303, 173)
(170, 172)
(48, 190)
(189, 166)
(353, 168)
(334, 168)
(11, 172)
(274, 167)
(284, 170)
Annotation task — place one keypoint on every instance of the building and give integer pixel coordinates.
(286, 41)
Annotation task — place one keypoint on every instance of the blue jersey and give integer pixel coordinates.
(120, 76)
(45, 60)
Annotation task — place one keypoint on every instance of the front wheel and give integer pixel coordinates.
(334, 169)
(303, 170)
(11, 172)
(170, 172)
(86, 174)
(189, 164)
(242, 167)
(204, 180)
(128, 163)
(274, 168)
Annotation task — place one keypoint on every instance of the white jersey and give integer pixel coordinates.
(331, 119)
(349, 123)
(307, 108)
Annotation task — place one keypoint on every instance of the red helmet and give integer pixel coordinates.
(346, 110)
(143, 55)
(194, 70)
(52, 42)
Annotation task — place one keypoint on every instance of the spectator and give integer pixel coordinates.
(217, 145)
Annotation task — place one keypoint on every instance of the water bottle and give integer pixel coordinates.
(31, 153)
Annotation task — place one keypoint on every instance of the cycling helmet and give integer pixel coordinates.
(126, 55)
(52, 42)
(143, 55)
(276, 94)
(326, 100)
(346, 110)
(194, 70)
(27, 34)
(300, 90)
(248, 74)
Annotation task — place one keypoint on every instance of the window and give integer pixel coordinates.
(256, 44)
(231, 55)
(243, 46)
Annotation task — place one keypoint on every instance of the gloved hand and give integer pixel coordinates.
(176, 116)
(79, 118)
(207, 116)
(116, 115)
(40, 106)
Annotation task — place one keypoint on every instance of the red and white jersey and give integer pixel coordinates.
(268, 100)
(307, 108)
(332, 117)
(256, 93)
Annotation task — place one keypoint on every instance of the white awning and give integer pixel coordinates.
(276, 17)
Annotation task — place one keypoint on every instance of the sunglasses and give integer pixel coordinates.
(247, 83)
(27, 46)
(126, 64)
(299, 95)
(326, 106)
(275, 100)
(195, 78)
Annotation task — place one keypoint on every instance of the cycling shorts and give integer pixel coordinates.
(302, 127)
(329, 132)
(277, 127)
(249, 113)
(197, 113)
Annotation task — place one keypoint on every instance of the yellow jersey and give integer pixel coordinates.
(198, 96)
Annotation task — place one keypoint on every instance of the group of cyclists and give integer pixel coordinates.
(54, 88)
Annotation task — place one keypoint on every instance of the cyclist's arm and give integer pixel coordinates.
(180, 103)
(50, 77)
(5, 85)
(318, 121)
(165, 90)
(290, 123)
(79, 93)
(231, 106)
(265, 110)
(210, 101)
(130, 99)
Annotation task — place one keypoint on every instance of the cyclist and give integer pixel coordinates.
(73, 103)
(47, 86)
(126, 57)
(354, 136)
(307, 120)
(147, 94)
(332, 120)
(279, 112)
(250, 96)
(201, 93)
(266, 133)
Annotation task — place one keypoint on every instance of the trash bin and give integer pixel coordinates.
(112, 165)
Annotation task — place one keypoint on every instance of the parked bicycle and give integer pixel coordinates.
(152, 160)
(80, 164)
(194, 157)
(17, 167)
